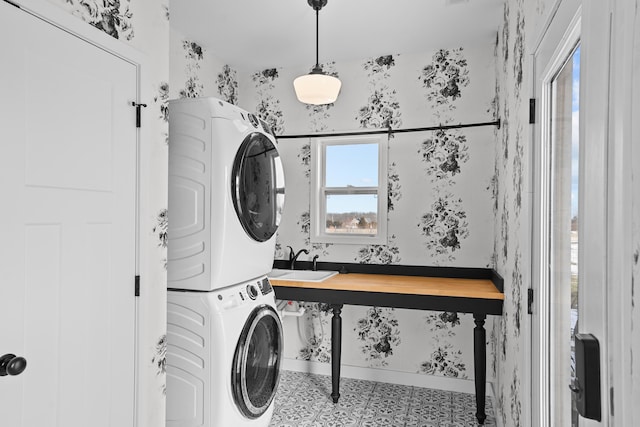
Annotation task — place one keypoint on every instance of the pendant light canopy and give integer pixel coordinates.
(317, 87)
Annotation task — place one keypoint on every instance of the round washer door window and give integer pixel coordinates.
(256, 362)
(257, 186)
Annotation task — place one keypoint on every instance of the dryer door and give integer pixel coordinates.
(256, 362)
(257, 186)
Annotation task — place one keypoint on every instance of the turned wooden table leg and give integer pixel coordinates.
(480, 365)
(336, 349)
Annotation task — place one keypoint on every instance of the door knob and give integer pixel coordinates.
(10, 364)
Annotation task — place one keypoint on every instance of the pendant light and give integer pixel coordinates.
(317, 87)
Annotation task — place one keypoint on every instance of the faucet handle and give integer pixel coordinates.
(315, 262)
(290, 253)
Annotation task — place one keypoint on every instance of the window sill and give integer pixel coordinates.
(346, 239)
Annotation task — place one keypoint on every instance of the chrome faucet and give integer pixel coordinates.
(293, 258)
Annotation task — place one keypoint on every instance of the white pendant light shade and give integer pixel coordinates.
(317, 88)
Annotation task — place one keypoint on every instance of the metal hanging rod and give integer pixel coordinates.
(390, 130)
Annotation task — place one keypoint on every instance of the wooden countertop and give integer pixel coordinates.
(405, 285)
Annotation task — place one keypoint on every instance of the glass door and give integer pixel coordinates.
(564, 242)
(569, 233)
(256, 362)
(257, 186)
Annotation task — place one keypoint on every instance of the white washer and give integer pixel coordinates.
(223, 356)
(226, 195)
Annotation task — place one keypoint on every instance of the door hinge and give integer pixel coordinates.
(530, 301)
(611, 400)
(532, 111)
(138, 107)
(137, 286)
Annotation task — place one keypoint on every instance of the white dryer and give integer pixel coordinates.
(226, 195)
(223, 356)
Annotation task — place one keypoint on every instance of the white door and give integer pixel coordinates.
(570, 218)
(67, 221)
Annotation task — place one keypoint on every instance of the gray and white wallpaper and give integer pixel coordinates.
(511, 243)
(512, 205)
(112, 17)
(440, 203)
(195, 71)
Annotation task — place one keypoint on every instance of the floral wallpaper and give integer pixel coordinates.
(160, 229)
(159, 359)
(440, 195)
(444, 226)
(444, 78)
(378, 333)
(510, 186)
(268, 109)
(193, 53)
(394, 188)
(445, 361)
(382, 109)
(162, 99)
(443, 154)
(195, 71)
(379, 254)
(228, 85)
(110, 16)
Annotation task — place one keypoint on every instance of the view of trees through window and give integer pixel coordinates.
(352, 222)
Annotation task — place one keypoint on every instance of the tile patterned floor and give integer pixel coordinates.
(303, 400)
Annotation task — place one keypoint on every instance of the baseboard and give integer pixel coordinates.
(491, 391)
(387, 376)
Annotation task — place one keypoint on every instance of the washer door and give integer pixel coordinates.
(257, 186)
(256, 362)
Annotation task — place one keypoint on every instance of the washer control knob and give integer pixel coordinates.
(252, 291)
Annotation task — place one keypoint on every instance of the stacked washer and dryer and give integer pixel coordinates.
(224, 335)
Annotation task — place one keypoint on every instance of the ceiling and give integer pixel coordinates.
(252, 35)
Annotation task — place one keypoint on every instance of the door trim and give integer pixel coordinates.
(563, 31)
(623, 127)
(61, 19)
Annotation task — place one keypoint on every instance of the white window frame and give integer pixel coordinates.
(319, 191)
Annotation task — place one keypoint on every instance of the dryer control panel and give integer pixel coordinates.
(265, 286)
(243, 293)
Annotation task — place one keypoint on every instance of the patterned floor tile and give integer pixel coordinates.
(304, 400)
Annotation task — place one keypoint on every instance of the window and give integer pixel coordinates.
(349, 190)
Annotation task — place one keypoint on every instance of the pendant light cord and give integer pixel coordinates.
(317, 33)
